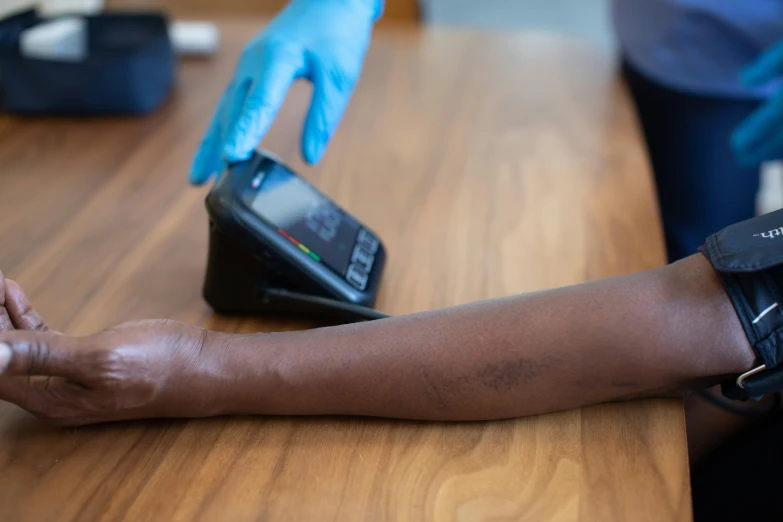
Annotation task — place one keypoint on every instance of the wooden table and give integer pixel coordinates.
(490, 164)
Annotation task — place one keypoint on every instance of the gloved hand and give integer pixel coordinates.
(760, 137)
(323, 41)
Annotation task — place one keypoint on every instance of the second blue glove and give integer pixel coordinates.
(760, 137)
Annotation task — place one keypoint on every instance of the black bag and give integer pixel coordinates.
(129, 68)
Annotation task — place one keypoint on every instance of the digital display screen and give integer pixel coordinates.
(305, 217)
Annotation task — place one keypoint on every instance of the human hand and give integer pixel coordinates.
(323, 41)
(15, 310)
(137, 370)
(759, 137)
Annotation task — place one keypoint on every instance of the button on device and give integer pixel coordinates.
(356, 276)
(362, 256)
(368, 241)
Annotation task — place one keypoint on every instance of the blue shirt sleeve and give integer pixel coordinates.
(698, 46)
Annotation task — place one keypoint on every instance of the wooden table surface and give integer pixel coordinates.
(490, 164)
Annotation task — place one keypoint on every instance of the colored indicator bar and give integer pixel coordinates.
(300, 245)
(285, 235)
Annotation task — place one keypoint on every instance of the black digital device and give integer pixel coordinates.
(278, 245)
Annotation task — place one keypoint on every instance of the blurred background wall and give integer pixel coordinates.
(586, 19)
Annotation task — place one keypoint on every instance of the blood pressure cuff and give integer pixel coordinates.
(129, 68)
(749, 258)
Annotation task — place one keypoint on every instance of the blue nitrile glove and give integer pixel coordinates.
(323, 41)
(760, 137)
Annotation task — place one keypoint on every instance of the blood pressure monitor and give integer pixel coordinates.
(277, 244)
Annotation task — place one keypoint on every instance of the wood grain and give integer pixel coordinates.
(489, 164)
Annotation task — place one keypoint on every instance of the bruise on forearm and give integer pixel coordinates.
(511, 373)
(500, 377)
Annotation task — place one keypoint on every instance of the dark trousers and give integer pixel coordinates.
(701, 189)
(741, 480)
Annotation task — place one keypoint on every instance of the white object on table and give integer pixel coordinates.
(64, 40)
(770, 195)
(58, 7)
(10, 7)
(194, 38)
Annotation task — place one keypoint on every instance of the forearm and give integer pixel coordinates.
(660, 332)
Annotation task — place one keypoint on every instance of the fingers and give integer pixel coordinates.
(208, 161)
(62, 403)
(751, 141)
(332, 90)
(280, 66)
(766, 67)
(52, 399)
(15, 309)
(5, 319)
(20, 311)
(24, 392)
(28, 353)
(771, 149)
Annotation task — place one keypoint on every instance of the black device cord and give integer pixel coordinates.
(734, 407)
(323, 306)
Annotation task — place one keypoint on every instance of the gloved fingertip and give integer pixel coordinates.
(742, 155)
(246, 134)
(751, 75)
(200, 175)
(197, 175)
(313, 151)
(232, 152)
(742, 137)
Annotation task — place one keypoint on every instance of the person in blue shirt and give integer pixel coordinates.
(704, 76)
(702, 73)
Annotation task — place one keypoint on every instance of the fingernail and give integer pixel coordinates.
(196, 175)
(197, 179)
(741, 138)
(5, 356)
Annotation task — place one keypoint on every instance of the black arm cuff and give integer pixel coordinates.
(749, 258)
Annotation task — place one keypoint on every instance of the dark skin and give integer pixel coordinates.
(657, 333)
